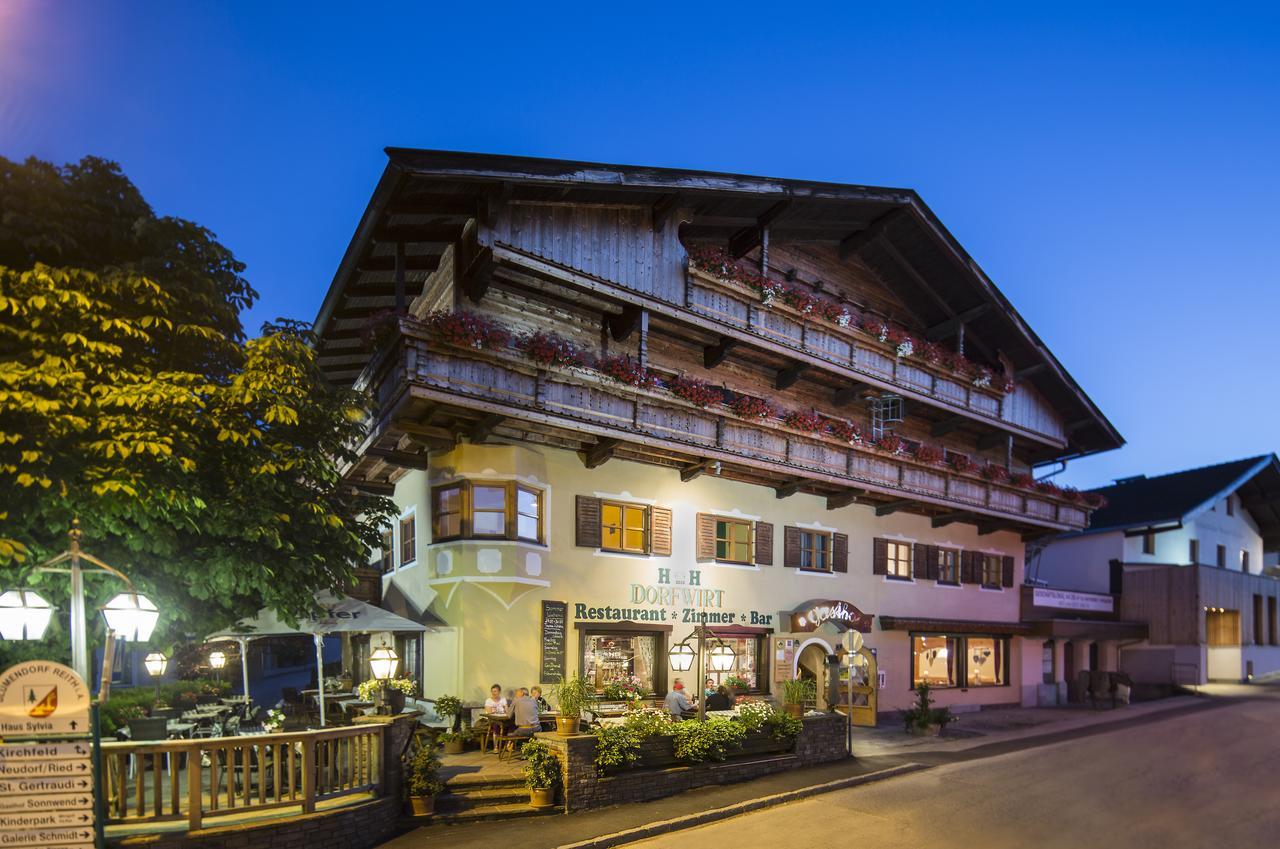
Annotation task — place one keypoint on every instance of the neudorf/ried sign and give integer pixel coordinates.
(813, 614)
(40, 698)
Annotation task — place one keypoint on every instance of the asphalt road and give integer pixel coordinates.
(1207, 779)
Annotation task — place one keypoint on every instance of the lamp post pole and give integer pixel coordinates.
(701, 631)
(79, 644)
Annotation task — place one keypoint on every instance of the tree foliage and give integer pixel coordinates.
(202, 463)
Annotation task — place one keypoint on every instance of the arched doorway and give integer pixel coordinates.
(811, 662)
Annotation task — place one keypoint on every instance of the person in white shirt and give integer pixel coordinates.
(496, 703)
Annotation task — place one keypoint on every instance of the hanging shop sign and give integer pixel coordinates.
(40, 698)
(814, 614)
(1070, 600)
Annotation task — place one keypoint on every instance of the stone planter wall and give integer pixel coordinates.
(659, 774)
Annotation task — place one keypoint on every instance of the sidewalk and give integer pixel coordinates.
(884, 751)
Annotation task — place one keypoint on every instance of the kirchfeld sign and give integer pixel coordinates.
(844, 615)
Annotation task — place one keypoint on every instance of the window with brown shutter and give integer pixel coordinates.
(967, 570)
(839, 552)
(816, 551)
(624, 527)
(1006, 571)
(660, 531)
(791, 547)
(948, 561)
(879, 557)
(733, 541)
(920, 564)
(898, 560)
(764, 544)
(587, 522)
(991, 567)
(705, 547)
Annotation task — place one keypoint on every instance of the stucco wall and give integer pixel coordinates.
(491, 591)
(1079, 562)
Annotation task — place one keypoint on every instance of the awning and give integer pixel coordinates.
(1089, 629)
(953, 626)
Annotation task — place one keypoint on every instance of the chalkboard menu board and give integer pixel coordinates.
(554, 617)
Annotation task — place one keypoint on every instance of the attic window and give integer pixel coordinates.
(886, 411)
(1231, 505)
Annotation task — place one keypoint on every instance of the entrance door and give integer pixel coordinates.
(812, 663)
(1093, 655)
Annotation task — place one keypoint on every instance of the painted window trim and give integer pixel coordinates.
(751, 542)
(645, 509)
(829, 551)
(409, 516)
(510, 511)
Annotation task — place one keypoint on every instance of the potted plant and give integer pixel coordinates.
(923, 719)
(572, 695)
(422, 777)
(454, 742)
(449, 708)
(393, 690)
(737, 684)
(796, 692)
(541, 773)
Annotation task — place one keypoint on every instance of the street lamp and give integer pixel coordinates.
(155, 662)
(383, 663)
(217, 660)
(681, 657)
(24, 615)
(130, 613)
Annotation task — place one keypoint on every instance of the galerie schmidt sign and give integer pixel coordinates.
(1068, 600)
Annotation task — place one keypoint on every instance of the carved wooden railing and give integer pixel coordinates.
(208, 777)
(735, 304)
(508, 379)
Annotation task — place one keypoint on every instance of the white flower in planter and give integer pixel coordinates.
(768, 294)
(905, 348)
(844, 318)
(982, 381)
(883, 335)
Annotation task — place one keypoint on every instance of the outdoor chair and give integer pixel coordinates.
(290, 696)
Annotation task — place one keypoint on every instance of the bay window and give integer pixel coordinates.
(486, 510)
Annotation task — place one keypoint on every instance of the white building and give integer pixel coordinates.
(1184, 554)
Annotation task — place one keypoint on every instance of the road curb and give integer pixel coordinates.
(653, 829)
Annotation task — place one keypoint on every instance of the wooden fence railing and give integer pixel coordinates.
(198, 778)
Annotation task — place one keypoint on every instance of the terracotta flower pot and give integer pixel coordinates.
(794, 710)
(455, 747)
(567, 726)
(422, 806)
(542, 797)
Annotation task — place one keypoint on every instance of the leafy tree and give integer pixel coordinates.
(202, 463)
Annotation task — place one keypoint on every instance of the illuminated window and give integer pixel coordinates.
(1222, 627)
(624, 527)
(815, 551)
(948, 566)
(992, 566)
(622, 657)
(486, 510)
(940, 660)
(985, 664)
(898, 564)
(733, 541)
(747, 664)
(408, 539)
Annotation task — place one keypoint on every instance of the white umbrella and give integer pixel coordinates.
(339, 615)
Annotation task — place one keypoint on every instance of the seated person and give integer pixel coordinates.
(543, 705)
(720, 699)
(496, 703)
(525, 711)
(677, 703)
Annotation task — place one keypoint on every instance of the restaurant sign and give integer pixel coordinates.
(1068, 600)
(814, 614)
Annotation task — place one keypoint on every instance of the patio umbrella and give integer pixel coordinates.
(340, 614)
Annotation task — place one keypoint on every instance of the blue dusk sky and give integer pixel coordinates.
(1115, 168)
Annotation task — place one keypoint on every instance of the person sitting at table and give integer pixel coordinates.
(709, 687)
(677, 703)
(496, 703)
(720, 699)
(543, 705)
(525, 711)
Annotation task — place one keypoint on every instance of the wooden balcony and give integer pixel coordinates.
(425, 393)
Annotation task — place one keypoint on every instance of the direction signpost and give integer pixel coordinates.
(46, 758)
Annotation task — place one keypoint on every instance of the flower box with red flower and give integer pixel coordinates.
(929, 454)
(750, 407)
(1023, 480)
(806, 420)
(696, 392)
(548, 349)
(844, 431)
(468, 330)
(995, 472)
(890, 444)
(962, 463)
(799, 300)
(627, 371)
(904, 345)
(714, 261)
(1048, 488)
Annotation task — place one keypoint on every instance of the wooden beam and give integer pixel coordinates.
(485, 427)
(623, 324)
(788, 488)
(1265, 499)
(416, 262)
(694, 470)
(951, 325)
(842, 499)
(401, 303)
(788, 376)
(414, 234)
(1072, 427)
(600, 453)
(892, 506)
(745, 240)
(478, 274)
(1023, 373)
(662, 210)
(714, 354)
(945, 519)
(988, 528)
(859, 240)
(946, 426)
(403, 459)
(845, 394)
(373, 487)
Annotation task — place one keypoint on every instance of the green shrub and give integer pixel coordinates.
(542, 767)
(573, 695)
(922, 714)
(448, 706)
(797, 691)
(422, 773)
(710, 740)
(617, 747)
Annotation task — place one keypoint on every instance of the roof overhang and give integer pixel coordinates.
(1089, 629)
(953, 626)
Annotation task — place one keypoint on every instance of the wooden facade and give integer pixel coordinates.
(599, 255)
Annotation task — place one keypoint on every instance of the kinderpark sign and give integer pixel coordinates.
(812, 615)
